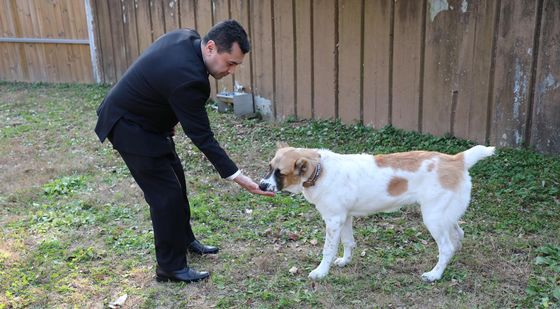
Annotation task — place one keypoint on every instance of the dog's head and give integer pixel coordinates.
(290, 169)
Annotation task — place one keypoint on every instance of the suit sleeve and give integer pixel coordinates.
(188, 102)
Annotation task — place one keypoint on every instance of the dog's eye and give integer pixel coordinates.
(278, 173)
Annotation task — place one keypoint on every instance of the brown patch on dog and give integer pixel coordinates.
(397, 186)
(408, 161)
(451, 170)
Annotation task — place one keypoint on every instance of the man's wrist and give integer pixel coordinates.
(232, 177)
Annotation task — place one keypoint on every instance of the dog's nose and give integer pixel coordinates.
(263, 186)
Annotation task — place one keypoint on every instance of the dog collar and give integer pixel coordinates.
(311, 181)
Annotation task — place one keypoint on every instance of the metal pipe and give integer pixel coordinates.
(44, 40)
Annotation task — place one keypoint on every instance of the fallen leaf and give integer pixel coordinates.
(119, 302)
(313, 242)
(293, 270)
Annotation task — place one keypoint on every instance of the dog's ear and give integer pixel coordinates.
(301, 166)
(281, 145)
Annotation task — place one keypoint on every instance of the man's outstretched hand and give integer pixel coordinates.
(249, 185)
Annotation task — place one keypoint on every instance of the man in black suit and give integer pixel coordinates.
(166, 85)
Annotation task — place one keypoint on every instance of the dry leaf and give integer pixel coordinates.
(119, 302)
(293, 270)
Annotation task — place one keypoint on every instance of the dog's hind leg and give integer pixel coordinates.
(447, 235)
(332, 238)
(348, 242)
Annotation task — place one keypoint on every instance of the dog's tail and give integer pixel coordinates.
(476, 154)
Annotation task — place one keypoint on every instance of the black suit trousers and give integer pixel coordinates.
(162, 179)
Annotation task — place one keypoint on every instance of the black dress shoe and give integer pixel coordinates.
(182, 275)
(199, 248)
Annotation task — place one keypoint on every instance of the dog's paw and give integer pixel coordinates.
(430, 277)
(341, 262)
(317, 274)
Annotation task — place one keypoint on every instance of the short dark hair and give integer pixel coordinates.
(225, 33)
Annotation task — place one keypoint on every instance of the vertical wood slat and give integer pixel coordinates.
(240, 12)
(474, 66)
(283, 59)
(157, 14)
(545, 132)
(444, 34)
(324, 57)
(204, 19)
(117, 29)
(171, 15)
(349, 46)
(130, 30)
(262, 49)
(513, 70)
(187, 13)
(145, 33)
(221, 12)
(377, 47)
(304, 68)
(407, 63)
(105, 37)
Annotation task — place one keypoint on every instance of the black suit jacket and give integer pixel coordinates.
(167, 84)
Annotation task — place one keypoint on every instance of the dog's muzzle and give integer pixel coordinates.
(266, 185)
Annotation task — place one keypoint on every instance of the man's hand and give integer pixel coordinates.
(249, 185)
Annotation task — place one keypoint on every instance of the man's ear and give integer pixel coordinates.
(301, 166)
(281, 145)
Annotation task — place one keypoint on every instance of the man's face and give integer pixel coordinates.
(221, 64)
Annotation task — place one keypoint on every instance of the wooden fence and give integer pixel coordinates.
(44, 40)
(485, 70)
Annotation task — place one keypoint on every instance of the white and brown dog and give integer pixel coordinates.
(343, 186)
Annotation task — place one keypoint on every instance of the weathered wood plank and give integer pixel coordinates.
(514, 54)
(545, 132)
(349, 71)
(377, 48)
(284, 59)
(324, 58)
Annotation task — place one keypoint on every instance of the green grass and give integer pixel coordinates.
(76, 232)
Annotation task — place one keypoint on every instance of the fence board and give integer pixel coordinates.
(545, 132)
(445, 33)
(187, 14)
(157, 14)
(106, 39)
(221, 12)
(349, 48)
(407, 63)
(130, 31)
(377, 47)
(117, 29)
(171, 15)
(144, 24)
(284, 59)
(240, 12)
(513, 71)
(204, 21)
(262, 49)
(30, 53)
(475, 59)
(303, 60)
(324, 57)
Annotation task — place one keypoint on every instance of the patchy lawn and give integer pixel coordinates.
(75, 230)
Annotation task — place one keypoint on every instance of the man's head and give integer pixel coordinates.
(224, 47)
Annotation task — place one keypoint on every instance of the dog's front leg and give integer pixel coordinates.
(332, 238)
